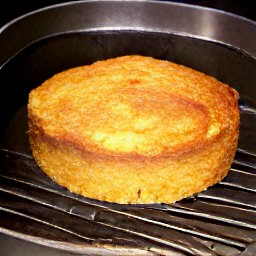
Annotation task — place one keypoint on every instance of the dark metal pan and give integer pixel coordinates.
(38, 216)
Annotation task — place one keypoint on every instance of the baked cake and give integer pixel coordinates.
(134, 129)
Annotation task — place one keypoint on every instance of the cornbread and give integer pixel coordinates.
(134, 129)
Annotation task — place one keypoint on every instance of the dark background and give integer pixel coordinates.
(10, 9)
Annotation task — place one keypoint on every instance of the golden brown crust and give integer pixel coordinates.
(161, 130)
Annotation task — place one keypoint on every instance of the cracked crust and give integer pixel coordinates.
(160, 130)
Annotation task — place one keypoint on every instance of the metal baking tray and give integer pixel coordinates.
(38, 216)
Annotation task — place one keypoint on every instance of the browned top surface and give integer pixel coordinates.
(133, 105)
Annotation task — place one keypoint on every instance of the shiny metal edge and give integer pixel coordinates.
(156, 16)
(75, 248)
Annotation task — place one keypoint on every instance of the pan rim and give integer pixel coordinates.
(214, 32)
(54, 243)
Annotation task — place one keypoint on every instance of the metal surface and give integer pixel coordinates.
(156, 16)
(38, 215)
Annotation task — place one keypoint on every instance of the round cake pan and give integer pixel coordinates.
(40, 216)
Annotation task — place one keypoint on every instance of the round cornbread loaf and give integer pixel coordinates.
(134, 129)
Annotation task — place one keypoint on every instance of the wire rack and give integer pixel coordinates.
(218, 221)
